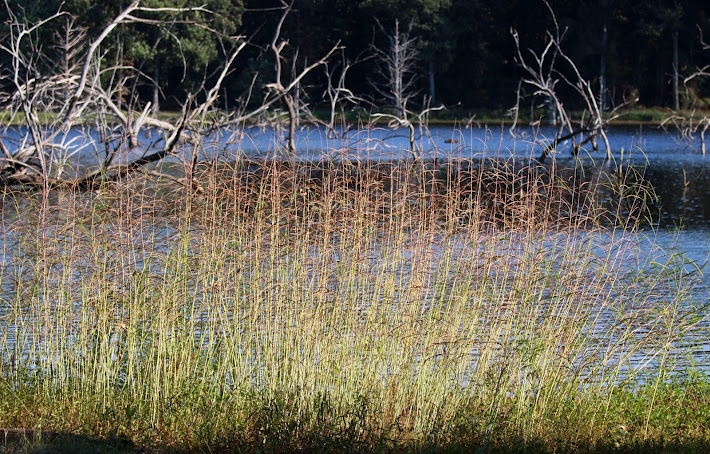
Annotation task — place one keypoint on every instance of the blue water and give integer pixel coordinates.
(381, 143)
(680, 175)
(673, 166)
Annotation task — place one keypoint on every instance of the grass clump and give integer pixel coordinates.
(276, 307)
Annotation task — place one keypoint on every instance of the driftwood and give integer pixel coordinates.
(544, 71)
(86, 90)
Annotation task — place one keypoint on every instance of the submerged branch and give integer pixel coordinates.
(555, 143)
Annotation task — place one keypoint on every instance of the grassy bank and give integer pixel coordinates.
(367, 307)
(458, 117)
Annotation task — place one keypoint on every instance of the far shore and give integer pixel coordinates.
(653, 117)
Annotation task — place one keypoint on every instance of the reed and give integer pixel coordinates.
(277, 306)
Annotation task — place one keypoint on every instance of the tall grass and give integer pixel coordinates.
(275, 306)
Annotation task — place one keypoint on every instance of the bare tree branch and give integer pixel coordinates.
(546, 70)
(689, 124)
(83, 89)
(397, 68)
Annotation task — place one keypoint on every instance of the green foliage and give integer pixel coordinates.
(465, 44)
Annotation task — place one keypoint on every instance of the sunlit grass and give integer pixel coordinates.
(358, 306)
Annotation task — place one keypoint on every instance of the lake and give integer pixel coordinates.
(678, 173)
(672, 165)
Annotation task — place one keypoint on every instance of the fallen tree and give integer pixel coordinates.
(87, 90)
(688, 124)
(544, 71)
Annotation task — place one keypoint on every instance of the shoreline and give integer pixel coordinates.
(653, 117)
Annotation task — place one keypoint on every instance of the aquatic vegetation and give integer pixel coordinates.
(366, 306)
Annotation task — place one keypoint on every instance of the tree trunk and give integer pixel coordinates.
(65, 61)
(398, 71)
(432, 86)
(297, 104)
(156, 89)
(293, 118)
(551, 111)
(676, 100)
(602, 67)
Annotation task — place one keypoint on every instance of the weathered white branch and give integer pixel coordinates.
(544, 73)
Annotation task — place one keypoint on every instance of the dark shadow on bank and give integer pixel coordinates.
(28, 441)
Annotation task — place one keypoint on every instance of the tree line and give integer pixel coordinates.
(464, 49)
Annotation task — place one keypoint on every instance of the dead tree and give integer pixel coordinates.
(336, 93)
(422, 120)
(64, 96)
(282, 90)
(397, 64)
(86, 90)
(397, 71)
(544, 71)
(277, 46)
(690, 124)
